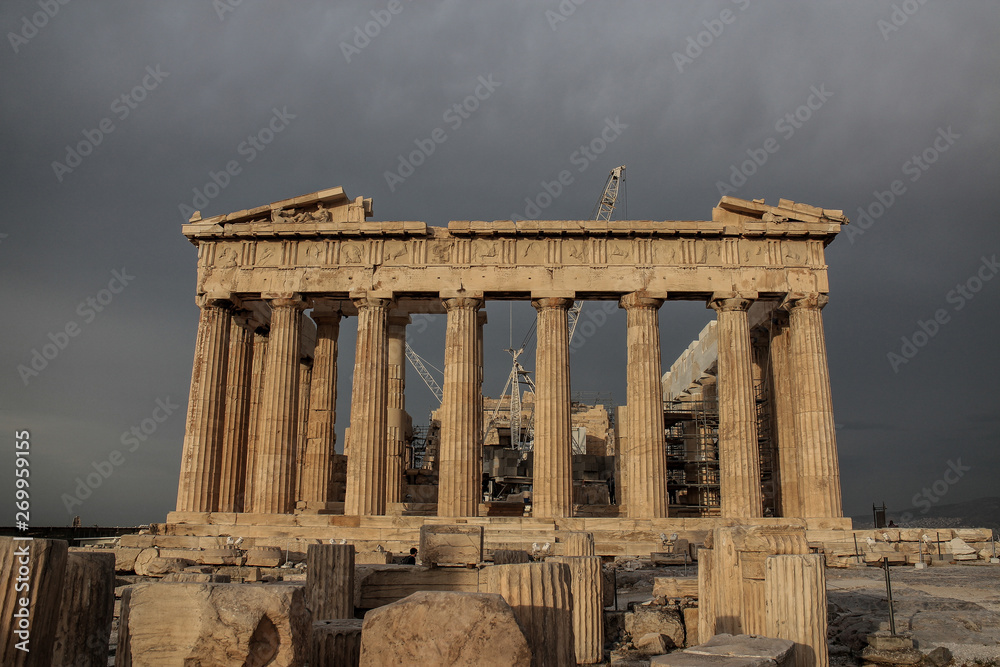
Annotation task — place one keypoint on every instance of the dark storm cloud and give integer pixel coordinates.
(888, 95)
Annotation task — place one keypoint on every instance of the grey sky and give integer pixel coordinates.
(887, 95)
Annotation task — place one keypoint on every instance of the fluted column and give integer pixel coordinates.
(587, 584)
(260, 336)
(321, 438)
(86, 609)
(480, 324)
(541, 596)
(232, 478)
(783, 381)
(552, 482)
(198, 486)
(396, 435)
(330, 581)
(739, 459)
(41, 564)
(366, 462)
(277, 429)
(645, 449)
(819, 468)
(795, 599)
(305, 381)
(460, 455)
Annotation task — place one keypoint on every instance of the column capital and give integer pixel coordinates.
(804, 300)
(731, 301)
(285, 299)
(227, 302)
(462, 302)
(639, 300)
(326, 310)
(399, 318)
(551, 302)
(371, 301)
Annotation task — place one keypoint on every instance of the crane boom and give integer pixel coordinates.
(425, 375)
(602, 211)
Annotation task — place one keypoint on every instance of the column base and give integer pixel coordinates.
(316, 507)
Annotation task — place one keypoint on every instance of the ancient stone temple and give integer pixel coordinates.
(276, 282)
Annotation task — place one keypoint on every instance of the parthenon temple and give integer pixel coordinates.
(275, 284)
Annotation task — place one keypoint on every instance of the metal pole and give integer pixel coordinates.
(888, 592)
(938, 536)
(856, 554)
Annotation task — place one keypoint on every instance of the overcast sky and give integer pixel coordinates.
(116, 112)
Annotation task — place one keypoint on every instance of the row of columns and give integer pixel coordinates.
(260, 425)
(808, 466)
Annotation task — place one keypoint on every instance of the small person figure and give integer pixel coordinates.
(412, 558)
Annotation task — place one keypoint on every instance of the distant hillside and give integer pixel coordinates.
(979, 513)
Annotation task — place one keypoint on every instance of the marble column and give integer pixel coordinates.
(198, 486)
(366, 462)
(645, 449)
(739, 458)
(460, 454)
(552, 481)
(274, 468)
(783, 382)
(480, 323)
(305, 382)
(260, 336)
(232, 478)
(395, 464)
(818, 466)
(321, 438)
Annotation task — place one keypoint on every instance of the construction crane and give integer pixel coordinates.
(522, 431)
(418, 365)
(602, 211)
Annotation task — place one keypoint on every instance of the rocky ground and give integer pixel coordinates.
(954, 606)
